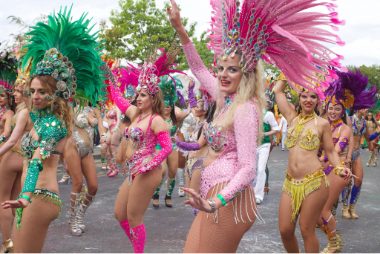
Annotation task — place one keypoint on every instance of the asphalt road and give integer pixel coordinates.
(167, 227)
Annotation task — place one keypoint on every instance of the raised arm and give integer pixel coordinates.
(246, 143)
(283, 105)
(208, 81)
(123, 104)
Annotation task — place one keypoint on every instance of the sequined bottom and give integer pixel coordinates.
(355, 155)
(84, 146)
(299, 189)
(42, 194)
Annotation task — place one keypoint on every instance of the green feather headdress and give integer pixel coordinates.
(65, 50)
(169, 86)
(8, 72)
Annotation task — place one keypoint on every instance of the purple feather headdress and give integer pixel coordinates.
(352, 91)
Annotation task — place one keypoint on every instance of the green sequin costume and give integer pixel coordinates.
(50, 131)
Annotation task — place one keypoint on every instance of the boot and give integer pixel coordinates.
(7, 246)
(334, 244)
(74, 203)
(345, 212)
(125, 226)
(170, 188)
(83, 205)
(138, 236)
(65, 179)
(353, 213)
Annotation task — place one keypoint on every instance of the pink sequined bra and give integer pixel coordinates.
(218, 139)
(143, 143)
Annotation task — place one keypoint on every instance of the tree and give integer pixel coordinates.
(138, 29)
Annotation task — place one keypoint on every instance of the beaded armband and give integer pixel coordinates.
(34, 168)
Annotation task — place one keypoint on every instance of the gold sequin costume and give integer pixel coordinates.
(299, 189)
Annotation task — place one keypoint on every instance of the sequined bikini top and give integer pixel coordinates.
(138, 137)
(306, 139)
(81, 120)
(50, 131)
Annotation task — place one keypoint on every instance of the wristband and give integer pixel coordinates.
(26, 197)
(221, 198)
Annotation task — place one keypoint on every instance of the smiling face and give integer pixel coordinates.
(39, 93)
(144, 100)
(334, 112)
(308, 102)
(229, 74)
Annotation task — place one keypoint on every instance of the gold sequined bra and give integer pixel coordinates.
(307, 139)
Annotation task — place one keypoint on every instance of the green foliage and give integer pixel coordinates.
(139, 28)
(372, 72)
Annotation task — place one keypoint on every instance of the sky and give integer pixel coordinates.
(361, 32)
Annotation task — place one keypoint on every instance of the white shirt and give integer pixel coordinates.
(283, 124)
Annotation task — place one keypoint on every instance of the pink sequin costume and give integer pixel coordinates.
(235, 167)
(144, 157)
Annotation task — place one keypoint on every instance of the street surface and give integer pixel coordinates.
(167, 227)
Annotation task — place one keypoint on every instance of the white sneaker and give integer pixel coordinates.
(258, 201)
(181, 193)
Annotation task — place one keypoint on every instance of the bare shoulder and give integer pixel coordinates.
(159, 124)
(9, 113)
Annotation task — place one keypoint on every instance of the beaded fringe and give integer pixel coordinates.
(298, 190)
(242, 205)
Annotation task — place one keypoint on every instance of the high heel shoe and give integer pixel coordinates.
(266, 189)
(156, 201)
(66, 179)
(168, 201)
(7, 246)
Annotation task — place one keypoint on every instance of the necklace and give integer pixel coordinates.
(141, 117)
(336, 124)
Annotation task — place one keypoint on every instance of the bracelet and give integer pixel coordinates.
(212, 204)
(26, 197)
(338, 170)
(221, 198)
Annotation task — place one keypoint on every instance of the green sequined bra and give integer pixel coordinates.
(50, 130)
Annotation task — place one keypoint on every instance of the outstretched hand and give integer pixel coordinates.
(174, 15)
(19, 203)
(196, 201)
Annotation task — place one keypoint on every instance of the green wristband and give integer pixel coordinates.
(26, 197)
(221, 198)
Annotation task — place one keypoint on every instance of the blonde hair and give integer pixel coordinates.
(250, 89)
(60, 107)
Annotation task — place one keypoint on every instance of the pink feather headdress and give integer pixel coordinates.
(150, 72)
(281, 32)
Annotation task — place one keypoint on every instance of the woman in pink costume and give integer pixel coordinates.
(230, 165)
(280, 33)
(147, 129)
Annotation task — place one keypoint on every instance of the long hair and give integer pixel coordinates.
(250, 89)
(157, 103)
(59, 106)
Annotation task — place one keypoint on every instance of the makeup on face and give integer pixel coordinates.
(229, 74)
